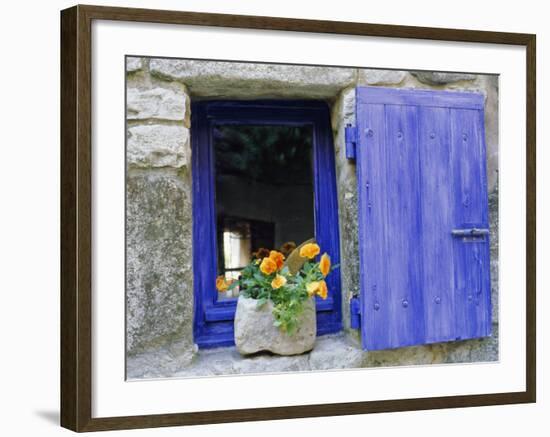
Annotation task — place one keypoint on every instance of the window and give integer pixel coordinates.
(263, 175)
(423, 217)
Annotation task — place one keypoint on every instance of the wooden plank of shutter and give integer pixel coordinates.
(403, 227)
(472, 268)
(389, 203)
(373, 252)
(437, 219)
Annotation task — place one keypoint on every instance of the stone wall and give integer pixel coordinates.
(159, 222)
(159, 279)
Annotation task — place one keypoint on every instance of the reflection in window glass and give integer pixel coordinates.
(236, 251)
(264, 192)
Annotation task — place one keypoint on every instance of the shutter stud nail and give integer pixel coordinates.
(399, 135)
(405, 303)
(432, 135)
(369, 132)
(438, 300)
(376, 306)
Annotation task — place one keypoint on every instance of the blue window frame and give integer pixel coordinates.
(213, 318)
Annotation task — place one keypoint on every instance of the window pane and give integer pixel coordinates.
(264, 191)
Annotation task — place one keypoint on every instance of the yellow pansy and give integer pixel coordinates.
(310, 250)
(312, 288)
(221, 284)
(278, 282)
(317, 287)
(268, 266)
(322, 290)
(324, 264)
(278, 257)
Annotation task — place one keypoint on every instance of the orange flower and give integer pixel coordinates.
(312, 287)
(317, 287)
(268, 266)
(262, 252)
(278, 257)
(221, 284)
(324, 264)
(278, 282)
(310, 250)
(288, 247)
(322, 290)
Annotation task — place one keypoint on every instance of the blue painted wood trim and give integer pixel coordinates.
(444, 99)
(213, 321)
(226, 310)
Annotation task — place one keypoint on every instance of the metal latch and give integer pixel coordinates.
(470, 232)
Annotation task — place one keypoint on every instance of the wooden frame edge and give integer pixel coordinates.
(76, 295)
(303, 411)
(531, 218)
(69, 380)
(76, 224)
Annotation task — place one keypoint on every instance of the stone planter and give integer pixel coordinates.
(254, 330)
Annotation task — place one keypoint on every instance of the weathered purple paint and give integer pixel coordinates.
(213, 319)
(421, 175)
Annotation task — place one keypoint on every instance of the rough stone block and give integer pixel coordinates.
(335, 353)
(158, 146)
(159, 278)
(133, 64)
(438, 78)
(380, 77)
(405, 356)
(156, 103)
(494, 244)
(237, 79)
(490, 87)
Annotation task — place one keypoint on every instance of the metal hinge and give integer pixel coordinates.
(355, 312)
(351, 141)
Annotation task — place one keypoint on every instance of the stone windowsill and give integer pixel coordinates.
(338, 351)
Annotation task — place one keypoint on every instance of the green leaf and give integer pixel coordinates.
(233, 285)
(259, 277)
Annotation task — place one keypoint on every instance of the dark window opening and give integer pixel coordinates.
(264, 191)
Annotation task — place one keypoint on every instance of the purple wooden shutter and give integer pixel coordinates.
(423, 221)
